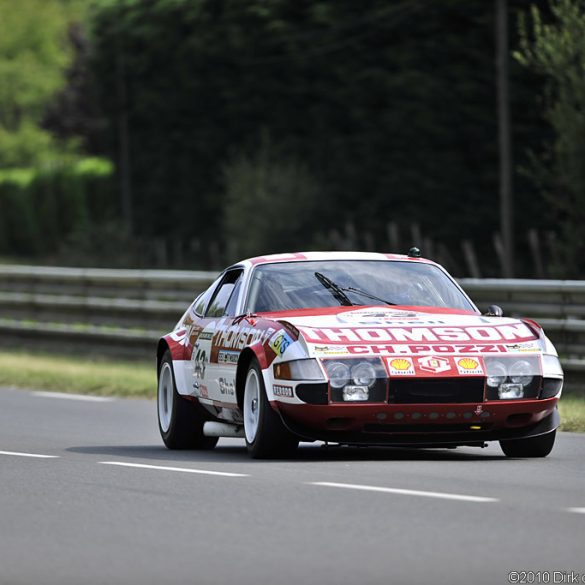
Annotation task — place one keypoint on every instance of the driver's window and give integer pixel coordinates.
(202, 300)
(226, 295)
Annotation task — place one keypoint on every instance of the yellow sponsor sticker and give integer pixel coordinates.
(469, 366)
(400, 366)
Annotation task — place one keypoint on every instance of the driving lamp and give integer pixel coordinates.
(497, 374)
(338, 373)
(510, 391)
(521, 373)
(355, 393)
(363, 374)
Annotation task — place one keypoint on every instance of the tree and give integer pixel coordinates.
(270, 202)
(33, 57)
(390, 106)
(73, 113)
(555, 49)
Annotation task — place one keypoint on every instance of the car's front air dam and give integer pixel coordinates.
(414, 418)
(310, 423)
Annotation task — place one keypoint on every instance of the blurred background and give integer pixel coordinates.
(191, 133)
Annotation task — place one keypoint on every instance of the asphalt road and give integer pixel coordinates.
(91, 513)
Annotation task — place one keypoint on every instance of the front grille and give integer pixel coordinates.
(436, 391)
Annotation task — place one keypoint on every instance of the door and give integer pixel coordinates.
(214, 368)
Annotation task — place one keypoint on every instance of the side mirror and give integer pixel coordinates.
(494, 311)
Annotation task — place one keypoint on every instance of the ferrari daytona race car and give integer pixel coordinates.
(357, 349)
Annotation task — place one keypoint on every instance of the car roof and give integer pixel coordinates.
(304, 256)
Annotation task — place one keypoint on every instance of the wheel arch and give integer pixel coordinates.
(246, 356)
(160, 351)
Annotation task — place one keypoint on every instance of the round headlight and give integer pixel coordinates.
(338, 373)
(496, 374)
(521, 373)
(363, 374)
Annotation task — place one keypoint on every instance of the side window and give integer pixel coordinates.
(225, 292)
(203, 299)
(230, 309)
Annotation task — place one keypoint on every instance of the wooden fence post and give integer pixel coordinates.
(470, 259)
(534, 243)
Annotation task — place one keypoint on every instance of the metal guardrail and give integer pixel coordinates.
(65, 338)
(125, 311)
(105, 311)
(535, 298)
(121, 312)
(557, 305)
(161, 285)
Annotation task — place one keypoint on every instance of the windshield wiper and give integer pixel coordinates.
(335, 289)
(339, 294)
(368, 295)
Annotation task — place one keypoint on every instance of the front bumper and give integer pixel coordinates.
(421, 424)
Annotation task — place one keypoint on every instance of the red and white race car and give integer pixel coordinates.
(353, 348)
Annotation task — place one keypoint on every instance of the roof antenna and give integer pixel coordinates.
(414, 252)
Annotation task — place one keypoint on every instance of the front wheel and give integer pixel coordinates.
(539, 446)
(266, 436)
(180, 422)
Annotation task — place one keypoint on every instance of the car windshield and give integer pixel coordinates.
(330, 283)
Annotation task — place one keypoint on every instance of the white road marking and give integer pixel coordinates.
(372, 488)
(183, 469)
(576, 510)
(65, 396)
(36, 455)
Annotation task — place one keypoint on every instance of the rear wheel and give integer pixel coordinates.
(539, 446)
(266, 436)
(180, 422)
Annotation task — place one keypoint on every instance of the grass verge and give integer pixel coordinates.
(107, 377)
(78, 375)
(572, 409)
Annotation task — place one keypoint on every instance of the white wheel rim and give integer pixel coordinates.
(251, 405)
(165, 396)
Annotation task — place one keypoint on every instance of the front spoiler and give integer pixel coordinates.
(426, 439)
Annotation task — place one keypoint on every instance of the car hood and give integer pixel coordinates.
(415, 330)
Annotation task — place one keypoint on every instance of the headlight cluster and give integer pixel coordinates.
(512, 378)
(341, 374)
(356, 380)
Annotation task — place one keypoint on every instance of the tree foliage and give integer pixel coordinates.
(41, 208)
(73, 114)
(270, 201)
(555, 49)
(33, 58)
(390, 107)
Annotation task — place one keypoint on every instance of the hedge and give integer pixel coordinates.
(40, 208)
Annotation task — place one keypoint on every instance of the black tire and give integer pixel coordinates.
(271, 438)
(539, 446)
(180, 421)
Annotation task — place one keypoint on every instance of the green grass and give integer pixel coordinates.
(107, 377)
(80, 375)
(572, 410)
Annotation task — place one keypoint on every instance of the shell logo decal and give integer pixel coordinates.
(400, 364)
(468, 364)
